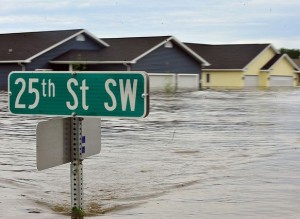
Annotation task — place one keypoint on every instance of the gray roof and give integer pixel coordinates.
(22, 46)
(297, 62)
(272, 61)
(124, 50)
(277, 57)
(119, 50)
(229, 56)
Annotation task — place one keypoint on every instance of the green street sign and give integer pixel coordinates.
(115, 94)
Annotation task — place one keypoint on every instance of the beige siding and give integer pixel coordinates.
(284, 68)
(223, 79)
(263, 79)
(256, 64)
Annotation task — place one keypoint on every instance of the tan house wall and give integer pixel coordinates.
(222, 79)
(263, 79)
(256, 64)
(284, 68)
(235, 79)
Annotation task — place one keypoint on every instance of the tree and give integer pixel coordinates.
(293, 53)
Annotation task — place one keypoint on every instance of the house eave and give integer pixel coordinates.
(227, 70)
(15, 61)
(261, 53)
(67, 39)
(91, 62)
(187, 49)
(191, 52)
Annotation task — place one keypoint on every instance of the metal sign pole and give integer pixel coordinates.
(76, 168)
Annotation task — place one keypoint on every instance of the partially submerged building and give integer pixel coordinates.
(237, 66)
(171, 64)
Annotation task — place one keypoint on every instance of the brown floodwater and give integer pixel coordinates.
(205, 154)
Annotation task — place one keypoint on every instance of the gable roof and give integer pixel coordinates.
(228, 56)
(268, 66)
(125, 50)
(297, 62)
(130, 49)
(122, 50)
(23, 47)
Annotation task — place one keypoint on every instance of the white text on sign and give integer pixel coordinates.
(127, 93)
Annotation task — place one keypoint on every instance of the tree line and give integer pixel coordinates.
(293, 53)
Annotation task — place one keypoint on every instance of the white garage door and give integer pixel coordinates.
(188, 81)
(251, 81)
(161, 82)
(281, 81)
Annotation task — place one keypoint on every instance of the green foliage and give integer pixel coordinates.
(78, 66)
(169, 88)
(77, 213)
(293, 53)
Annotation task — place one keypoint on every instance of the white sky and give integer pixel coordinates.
(199, 21)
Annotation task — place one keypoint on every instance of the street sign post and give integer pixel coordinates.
(59, 141)
(115, 94)
(53, 141)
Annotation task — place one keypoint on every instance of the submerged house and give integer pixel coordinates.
(297, 62)
(237, 66)
(169, 62)
(33, 51)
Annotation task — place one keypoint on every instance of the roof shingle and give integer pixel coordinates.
(120, 50)
(229, 56)
(22, 46)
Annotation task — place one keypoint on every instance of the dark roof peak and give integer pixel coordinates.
(26, 45)
(271, 62)
(137, 37)
(46, 31)
(228, 56)
(234, 44)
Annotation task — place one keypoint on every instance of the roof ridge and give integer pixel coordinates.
(233, 44)
(42, 31)
(135, 37)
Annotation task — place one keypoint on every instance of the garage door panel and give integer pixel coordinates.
(188, 81)
(251, 81)
(281, 81)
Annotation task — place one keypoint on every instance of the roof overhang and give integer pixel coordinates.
(284, 56)
(67, 39)
(291, 61)
(226, 70)
(15, 61)
(261, 53)
(182, 45)
(91, 62)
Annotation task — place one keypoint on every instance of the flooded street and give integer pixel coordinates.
(205, 154)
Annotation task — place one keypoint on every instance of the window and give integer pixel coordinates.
(168, 44)
(207, 78)
(80, 37)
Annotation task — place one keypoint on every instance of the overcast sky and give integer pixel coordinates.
(199, 21)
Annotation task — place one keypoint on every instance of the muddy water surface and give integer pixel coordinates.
(206, 154)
